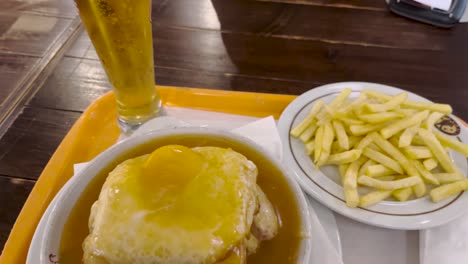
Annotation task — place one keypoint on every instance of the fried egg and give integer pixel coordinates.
(175, 205)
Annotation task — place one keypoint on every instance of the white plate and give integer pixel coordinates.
(323, 184)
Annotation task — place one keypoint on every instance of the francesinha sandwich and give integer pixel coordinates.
(180, 205)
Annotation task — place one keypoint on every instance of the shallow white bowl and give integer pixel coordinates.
(71, 192)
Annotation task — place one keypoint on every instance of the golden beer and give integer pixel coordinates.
(121, 33)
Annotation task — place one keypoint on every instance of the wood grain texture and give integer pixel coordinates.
(12, 69)
(54, 8)
(77, 82)
(319, 23)
(13, 194)
(31, 141)
(201, 58)
(274, 46)
(29, 34)
(353, 4)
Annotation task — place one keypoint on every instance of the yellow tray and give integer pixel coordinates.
(97, 129)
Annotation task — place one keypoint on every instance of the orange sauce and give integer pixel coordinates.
(284, 248)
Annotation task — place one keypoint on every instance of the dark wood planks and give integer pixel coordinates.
(13, 194)
(12, 69)
(324, 23)
(201, 58)
(353, 4)
(29, 34)
(77, 82)
(32, 139)
(55, 8)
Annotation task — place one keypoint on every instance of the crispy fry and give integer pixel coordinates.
(364, 142)
(364, 167)
(402, 194)
(382, 159)
(358, 103)
(387, 178)
(350, 183)
(401, 124)
(359, 130)
(429, 177)
(418, 152)
(374, 197)
(323, 116)
(391, 104)
(417, 140)
(342, 169)
(443, 108)
(430, 164)
(318, 143)
(308, 133)
(379, 171)
(350, 121)
(445, 191)
(395, 154)
(420, 188)
(437, 150)
(378, 95)
(379, 117)
(344, 157)
(407, 136)
(450, 142)
(341, 135)
(406, 111)
(297, 131)
(431, 120)
(389, 185)
(323, 159)
(353, 140)
(448, 177)
(328, 137)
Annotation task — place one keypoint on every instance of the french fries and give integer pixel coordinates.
(439, 151)
(449, 142)
(430, 164)
(382, 159)
(443, 192)
(402, 194)
(389, 185)
(344, 157)
(407, 136)
(374, 197)
(401, 124)
(383, 142)
(379, 171)
(418, 152)
(341, 135)
(297, 131)
(447, 177)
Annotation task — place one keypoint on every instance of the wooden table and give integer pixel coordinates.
(49, 76)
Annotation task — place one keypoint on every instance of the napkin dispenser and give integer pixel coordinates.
(441, 13)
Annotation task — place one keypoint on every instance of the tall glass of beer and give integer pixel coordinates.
(121, 33)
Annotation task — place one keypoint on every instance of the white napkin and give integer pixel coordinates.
(440, 4)
(264, 132)
(445, 244)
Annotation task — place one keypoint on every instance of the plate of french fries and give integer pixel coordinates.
(378, 154)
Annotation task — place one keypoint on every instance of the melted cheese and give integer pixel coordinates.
(176, 205)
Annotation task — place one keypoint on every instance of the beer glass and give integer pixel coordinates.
(121, 33)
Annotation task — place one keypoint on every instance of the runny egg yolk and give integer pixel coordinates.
(165, 173)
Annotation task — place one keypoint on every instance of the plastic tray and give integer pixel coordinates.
(97, 129)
